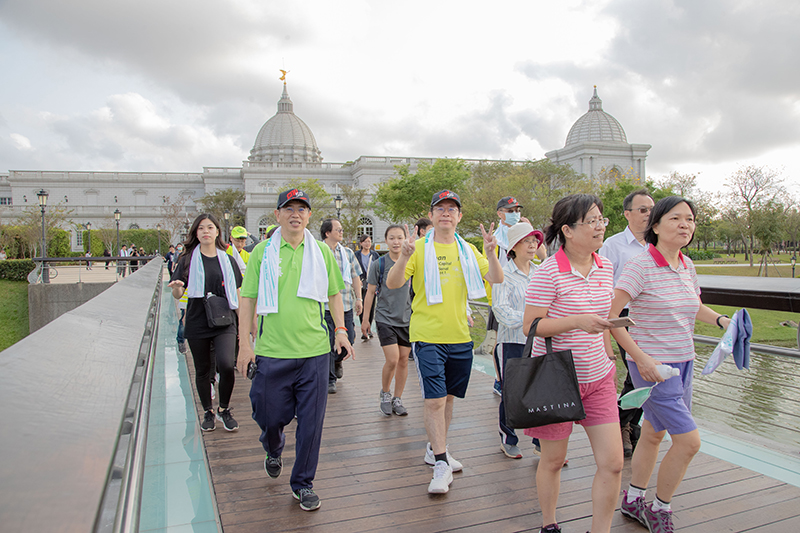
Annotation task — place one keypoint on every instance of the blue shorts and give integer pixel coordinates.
(670, 404)
(443, 369)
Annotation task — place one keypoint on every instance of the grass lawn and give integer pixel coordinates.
(14, 312)
(783, 271)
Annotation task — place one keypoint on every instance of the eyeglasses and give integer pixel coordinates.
(441, 210)
(596, 222)
(299, 210)
(642, 210)
(339, 230)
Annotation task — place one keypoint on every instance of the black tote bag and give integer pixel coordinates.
(541, 390)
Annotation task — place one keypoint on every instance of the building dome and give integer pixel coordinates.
(285, 138)
(596, 126)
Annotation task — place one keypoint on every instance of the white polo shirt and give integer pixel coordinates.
(620, 248)
(565, 292)
(664, 305)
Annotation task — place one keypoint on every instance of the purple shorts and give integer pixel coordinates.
(599, 402)
(670, 404)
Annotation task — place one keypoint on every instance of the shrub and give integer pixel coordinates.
(16, 269)
(701, 255)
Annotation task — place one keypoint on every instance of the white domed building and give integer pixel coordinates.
(597, 146)
(284, 150)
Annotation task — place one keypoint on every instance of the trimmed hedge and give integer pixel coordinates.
(701, 255)
(16, 269)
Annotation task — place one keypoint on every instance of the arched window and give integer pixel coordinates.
(263, 224)
(365, 226)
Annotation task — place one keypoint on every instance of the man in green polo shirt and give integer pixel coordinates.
(289, 278)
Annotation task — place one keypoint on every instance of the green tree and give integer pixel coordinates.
(174, 217)
(321, 203)
(220, 201)
(750, 189)
(354, 203)
(536, 185)
(792, 227)
(29, 222)
(407, 196)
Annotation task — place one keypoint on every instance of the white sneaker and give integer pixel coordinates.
(431, 459)
(442, 477)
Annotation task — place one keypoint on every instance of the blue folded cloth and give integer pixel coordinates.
(741, 343)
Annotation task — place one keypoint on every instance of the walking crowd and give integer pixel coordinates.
(282, 311)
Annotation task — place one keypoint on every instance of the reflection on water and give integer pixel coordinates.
(763, 401)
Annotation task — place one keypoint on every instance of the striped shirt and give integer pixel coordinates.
(508, 303)
(664, 304)
(565, 292)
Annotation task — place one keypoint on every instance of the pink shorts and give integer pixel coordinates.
(599, 402)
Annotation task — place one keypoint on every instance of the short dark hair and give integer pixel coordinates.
(391, 227)
(568, 211)
(327, 227)
(662, 207)
(626, 203)
(423, 222)
(363, 237)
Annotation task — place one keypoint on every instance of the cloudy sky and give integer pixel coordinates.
(154, 85)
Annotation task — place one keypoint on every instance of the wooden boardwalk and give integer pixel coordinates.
(372, 477)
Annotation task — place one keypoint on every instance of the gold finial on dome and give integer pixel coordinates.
(283, 75)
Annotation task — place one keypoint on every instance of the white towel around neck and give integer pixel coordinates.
(469, 267)
(197, 277)
(238, 258)
(313, 274)
(347, 268)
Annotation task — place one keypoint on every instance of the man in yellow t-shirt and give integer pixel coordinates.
(239, 239)
(438, 331)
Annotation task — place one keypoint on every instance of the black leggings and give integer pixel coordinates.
(224, 346)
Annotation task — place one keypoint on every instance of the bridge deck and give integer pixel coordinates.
(371, 475)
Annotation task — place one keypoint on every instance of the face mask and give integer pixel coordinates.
(512, 218)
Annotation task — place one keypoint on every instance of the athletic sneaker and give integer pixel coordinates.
(182, 347)
(497, 389)
(338, 369)
(332, 387)
(634, 509)
(658, 521)
(442, 477)
(511, 450)
(386, 403)
(273, 466)
(208, 422)
(227, 420)
(309, 501)
(537, 448)
(397, 407)
(431, 459)
(552, 528)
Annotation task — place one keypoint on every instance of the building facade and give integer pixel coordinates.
(284, 150)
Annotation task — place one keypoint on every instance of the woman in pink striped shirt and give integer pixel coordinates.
(571, 291)
(661, 286)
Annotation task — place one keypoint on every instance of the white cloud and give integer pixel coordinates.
(21, 142)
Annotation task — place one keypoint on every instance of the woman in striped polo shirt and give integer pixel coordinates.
(571, 291)
(664, 295)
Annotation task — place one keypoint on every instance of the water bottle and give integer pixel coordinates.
(667, 371)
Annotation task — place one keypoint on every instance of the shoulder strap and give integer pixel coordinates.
(529, 342)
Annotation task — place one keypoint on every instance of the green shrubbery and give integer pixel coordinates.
(16, 269)
(701, 255)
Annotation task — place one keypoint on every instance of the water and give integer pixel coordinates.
(763, 401)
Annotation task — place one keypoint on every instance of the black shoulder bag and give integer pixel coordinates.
(217, 311)
(543, 390)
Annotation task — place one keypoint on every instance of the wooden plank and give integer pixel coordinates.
(372, 477)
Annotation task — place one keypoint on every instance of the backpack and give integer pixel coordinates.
(381, 269)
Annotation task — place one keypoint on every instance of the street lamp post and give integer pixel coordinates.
(42, 194)
(117, 214)
(794, 261)
(89, 236)
(227, 215)
(338, 203)
(158, 234)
